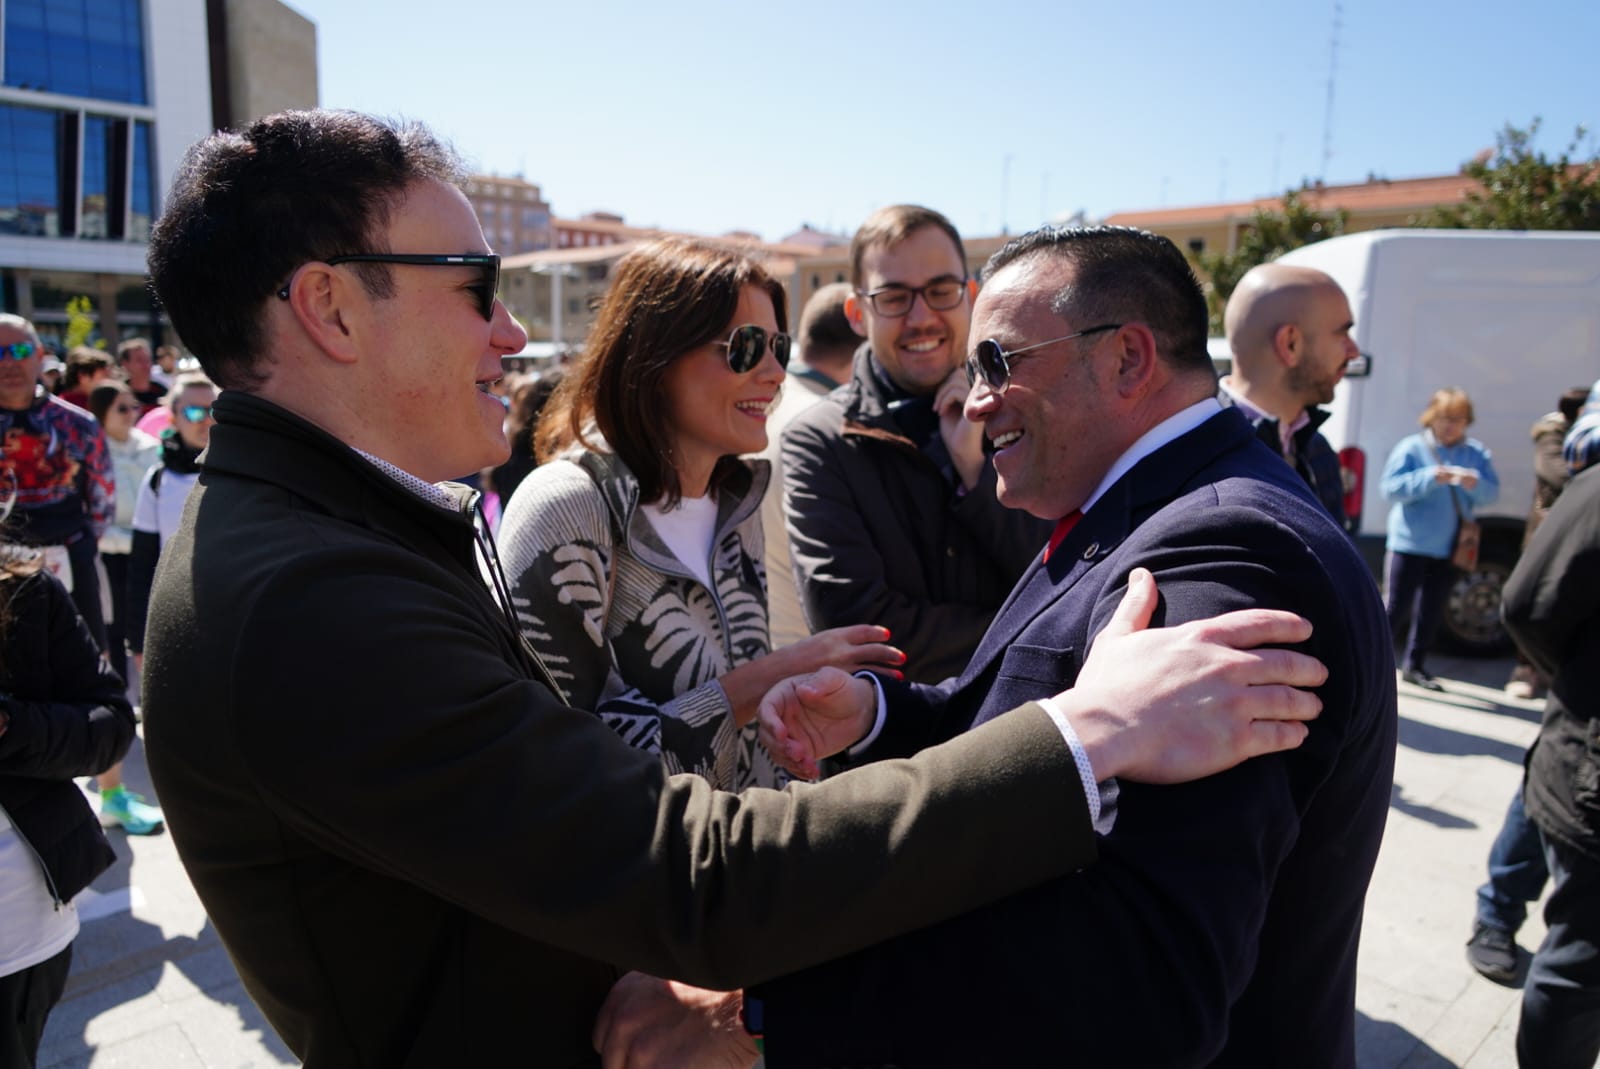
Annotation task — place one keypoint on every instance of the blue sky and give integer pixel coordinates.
(708, 117)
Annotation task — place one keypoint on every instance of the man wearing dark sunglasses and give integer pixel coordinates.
(889, 499)
(53, 456)
(1221, 924)
(416, 852)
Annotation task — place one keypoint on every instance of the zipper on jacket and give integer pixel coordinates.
(49, 881)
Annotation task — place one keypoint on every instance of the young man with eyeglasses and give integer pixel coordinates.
(415, 851)
(889, 499)
(53, 457)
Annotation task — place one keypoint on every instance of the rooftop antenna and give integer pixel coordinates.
(1333, 72)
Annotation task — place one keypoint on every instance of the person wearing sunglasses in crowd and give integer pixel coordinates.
(889, 499)
(416, 852)
(53, 454)
(163, 491)
(635, 548)
(1221, 923)
(133, 454)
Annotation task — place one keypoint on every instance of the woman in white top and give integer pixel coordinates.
(635, 549)
(133, 454)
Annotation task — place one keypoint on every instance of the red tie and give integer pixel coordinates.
(1064, 527)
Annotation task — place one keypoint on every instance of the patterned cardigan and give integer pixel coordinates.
(629, 631)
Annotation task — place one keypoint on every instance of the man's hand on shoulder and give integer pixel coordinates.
(1172, 704)
(806, 718)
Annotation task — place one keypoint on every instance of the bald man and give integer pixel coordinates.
(1289, 329)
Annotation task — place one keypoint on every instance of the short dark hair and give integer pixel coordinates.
(1123, 274)
(82, 363)
(892, 225)
(129, 344)
(824, 328)
(247, 208)
(666, 298)
(103, 396)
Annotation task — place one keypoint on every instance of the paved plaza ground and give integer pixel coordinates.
(152, 987)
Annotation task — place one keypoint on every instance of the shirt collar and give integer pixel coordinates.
(428, 492)
(1170, 429)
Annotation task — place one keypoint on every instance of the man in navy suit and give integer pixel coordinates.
(1220, 923)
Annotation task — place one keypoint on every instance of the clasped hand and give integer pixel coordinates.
(1162, 705)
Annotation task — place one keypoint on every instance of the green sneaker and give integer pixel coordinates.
(121, 806)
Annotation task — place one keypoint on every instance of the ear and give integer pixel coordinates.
(855, 314)
(1288, 343)
(320, 300)
(1135, 348)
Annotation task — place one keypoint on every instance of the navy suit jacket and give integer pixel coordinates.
(1220, 923)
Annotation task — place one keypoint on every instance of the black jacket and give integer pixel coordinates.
(879, 535)
(68, 717)
(416, 855)
(1314, 458)
(1552, 608)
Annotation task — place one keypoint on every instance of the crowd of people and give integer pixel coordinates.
(1069, 636)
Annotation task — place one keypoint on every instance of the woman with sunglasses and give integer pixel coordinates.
(156, 516)
(133, 454)
(635, 548)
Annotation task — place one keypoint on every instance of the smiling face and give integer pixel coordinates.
(1054, 428)
(430, 354)
(920, 348)
(714, 411)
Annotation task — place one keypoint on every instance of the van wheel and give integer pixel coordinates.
(1472, 611)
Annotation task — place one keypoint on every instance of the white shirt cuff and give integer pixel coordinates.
(1080, 757)
(877, 725)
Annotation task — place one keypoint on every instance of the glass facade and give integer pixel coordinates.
(142, 194)
(81, 48)
(30, 171)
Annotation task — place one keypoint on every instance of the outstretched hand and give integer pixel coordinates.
(1172, 704)
(806, 718)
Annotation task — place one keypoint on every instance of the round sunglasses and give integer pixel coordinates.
(992, 362)
(749, 344)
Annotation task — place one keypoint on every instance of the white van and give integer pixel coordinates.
(1512, 318)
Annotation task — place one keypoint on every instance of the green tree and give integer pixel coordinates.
(1267, 236)
(80, 322)
(1526, 190)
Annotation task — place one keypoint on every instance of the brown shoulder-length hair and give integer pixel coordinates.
(1450, 401)
(666, 299)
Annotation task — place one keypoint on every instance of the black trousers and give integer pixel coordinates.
(117, 627)
(26, 999)
(1416, 589)
(1560, 1025)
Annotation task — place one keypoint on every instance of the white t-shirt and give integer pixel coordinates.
(35, 929)
(687, 530)
(161, 511)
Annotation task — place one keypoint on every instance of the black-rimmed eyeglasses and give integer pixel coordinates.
(749, 344)
(895, 300)
(993, 362)
(488, 265)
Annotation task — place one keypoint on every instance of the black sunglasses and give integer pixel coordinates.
(488, 265)
(749, 344)
(993, 363)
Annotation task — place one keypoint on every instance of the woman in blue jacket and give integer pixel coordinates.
(1435, 478)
